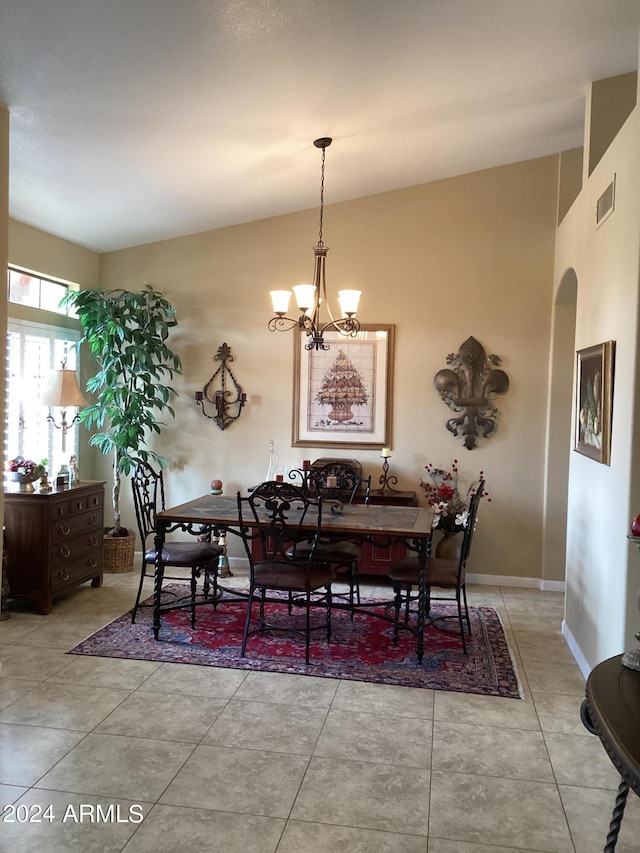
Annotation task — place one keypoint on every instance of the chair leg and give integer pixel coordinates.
(329, 604)
(307, 636)
(214, 577)
(143, 575)
(194, 586)
(263, 594)
(247, 621)
(407, 603)
(460, 622)
(466, 608)
(352, 581)
(397, 603)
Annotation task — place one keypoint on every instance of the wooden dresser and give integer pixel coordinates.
(377, 560)
(53, 541)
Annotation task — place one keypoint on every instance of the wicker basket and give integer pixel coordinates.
(118, 553)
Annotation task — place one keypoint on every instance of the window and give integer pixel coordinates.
(26, 288)
(33, 351)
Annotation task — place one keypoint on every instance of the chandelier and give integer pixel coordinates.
(311, 297)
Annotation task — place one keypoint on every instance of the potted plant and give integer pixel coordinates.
(127, 335)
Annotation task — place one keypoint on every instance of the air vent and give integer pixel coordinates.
(604, 207)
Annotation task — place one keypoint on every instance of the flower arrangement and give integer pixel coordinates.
(442, 492)
(27, 469)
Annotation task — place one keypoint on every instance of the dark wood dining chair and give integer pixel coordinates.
(271, 523)
(201, 557)
(445, 575)
(344, 555)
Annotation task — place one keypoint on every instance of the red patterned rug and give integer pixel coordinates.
(360, 650)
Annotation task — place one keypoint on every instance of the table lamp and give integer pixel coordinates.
(63, 391)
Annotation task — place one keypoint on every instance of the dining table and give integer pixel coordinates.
(382, 525)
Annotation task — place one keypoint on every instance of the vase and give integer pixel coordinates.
(25, 481)
(449, 546)
(273, 462)
(340, 412)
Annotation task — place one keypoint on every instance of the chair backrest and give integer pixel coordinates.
(349, 482)
(470, 523)
(271, 520)
(148, 498)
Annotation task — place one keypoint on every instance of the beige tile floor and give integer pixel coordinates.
(237, 762)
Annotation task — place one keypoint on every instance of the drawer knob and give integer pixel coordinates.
(92, 520)
(64, 529)
(93, 540)
(63, 575)
(92, 562)
(65, 552)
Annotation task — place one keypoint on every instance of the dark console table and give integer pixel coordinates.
(611, 710)
(53, 541)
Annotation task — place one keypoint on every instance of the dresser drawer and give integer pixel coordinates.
(74, 525)
(60, 509)
(69, 549)
(72, 571)
(81, 503)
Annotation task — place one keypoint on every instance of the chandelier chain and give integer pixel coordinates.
(320, 243)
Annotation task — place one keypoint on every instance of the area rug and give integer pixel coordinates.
(360, 650)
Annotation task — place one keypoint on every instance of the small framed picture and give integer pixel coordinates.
(594, 401)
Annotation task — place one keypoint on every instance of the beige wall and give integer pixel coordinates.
(472, 255)
(43, 253)
(4, 251)
(602, 574)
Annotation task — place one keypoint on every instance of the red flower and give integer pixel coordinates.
(445, 493)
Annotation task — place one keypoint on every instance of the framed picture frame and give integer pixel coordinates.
(342, 397)
(594, 401)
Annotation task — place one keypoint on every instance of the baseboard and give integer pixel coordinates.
(510, 580)
(575, 650)
(241, 564)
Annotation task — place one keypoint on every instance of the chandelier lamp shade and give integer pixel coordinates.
(62, 391)
(312, 298)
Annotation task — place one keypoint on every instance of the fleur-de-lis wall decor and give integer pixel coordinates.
(469, 386)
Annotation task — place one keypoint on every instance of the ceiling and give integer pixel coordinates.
(138, 120)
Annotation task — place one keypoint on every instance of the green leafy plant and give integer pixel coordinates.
(127, 335)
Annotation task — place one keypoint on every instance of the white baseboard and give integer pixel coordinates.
(575, 650)
(242, 564)
(510, 580)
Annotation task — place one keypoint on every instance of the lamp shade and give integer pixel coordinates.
(348, 300)
(280, 300)
(63, 390)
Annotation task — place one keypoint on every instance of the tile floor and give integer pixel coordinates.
(193, 758)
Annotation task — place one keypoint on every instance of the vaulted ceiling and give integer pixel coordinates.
(139, 120)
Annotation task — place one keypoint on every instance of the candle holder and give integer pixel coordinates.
(222, 399)
(384, 479)
(223, 560)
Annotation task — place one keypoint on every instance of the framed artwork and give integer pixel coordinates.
(342, 397)
(594, 401)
